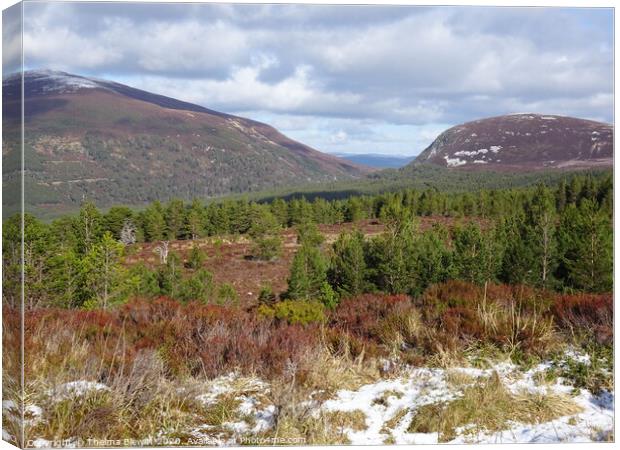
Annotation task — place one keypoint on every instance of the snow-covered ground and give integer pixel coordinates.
(388, 406)
(425, 386)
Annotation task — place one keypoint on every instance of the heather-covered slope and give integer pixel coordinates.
(523, 142)
(115, 144)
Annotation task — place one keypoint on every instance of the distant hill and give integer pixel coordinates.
(96, 139)
(522, 142)
(376, 160)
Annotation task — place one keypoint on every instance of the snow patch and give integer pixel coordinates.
(250, 410)
(454, 162)
(75, 389)
(471, 152)
(403, 396)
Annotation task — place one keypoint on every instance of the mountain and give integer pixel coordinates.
(376, 160)
(111, 143)
(523, 142)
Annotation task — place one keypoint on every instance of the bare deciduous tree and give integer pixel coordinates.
(128, 233)
(162, 249)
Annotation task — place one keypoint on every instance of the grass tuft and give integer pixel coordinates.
(489, 406)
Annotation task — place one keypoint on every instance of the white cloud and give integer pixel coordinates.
(394, 65)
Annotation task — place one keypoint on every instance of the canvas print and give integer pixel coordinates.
(297, 224)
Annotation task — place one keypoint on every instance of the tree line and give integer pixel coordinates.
(558, 237)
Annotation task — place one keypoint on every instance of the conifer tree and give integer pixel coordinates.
(153, 222)
(347, 273)
(103, 273)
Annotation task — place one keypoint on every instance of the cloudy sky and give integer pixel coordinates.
(357, 79)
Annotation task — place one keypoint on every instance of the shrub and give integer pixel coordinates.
(359, 315)
(514, 319)
(590, 314)
(266, 295)
(226, 294)
(328, 297)
(295, 311)
(196, 258)
(198, 286)
(267, 248)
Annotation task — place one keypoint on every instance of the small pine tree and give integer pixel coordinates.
(265, 232)
(586, 243)
(153, 222)
(308, 273)
(196, 258)
(170, 276)
(227, 294)
(348, 269)
(197, 287)
(477, 255)
(103, 273)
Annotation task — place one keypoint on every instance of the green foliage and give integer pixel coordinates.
(171, 276)
(198, 286)
(595, 374)
(115, 218)
(519, 259)
(89, 226)
(308, 273)
(174, 217)
(348, 271)
(266, 295)
(143, 282)
(227, 294)
(67, 278)
(433, 259)
(196, 258)
(104, 277)
(554, 237)
(477, 255)
(393, 267)
(267, 248)
(267, 243)
(194, 223)
(328, 296)
(586, 246)
(308, 234)
(153, 222)
(295, 312)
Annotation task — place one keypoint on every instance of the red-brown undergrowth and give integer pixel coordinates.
(191, 339)
(209, 340)
(586, 312)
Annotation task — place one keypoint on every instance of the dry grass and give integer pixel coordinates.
(400, 329)
(354, 420)
(489, 406)
(329, 373)
(140, 404)
(517, 330)
(458, 378)
(297, 418)
(394, 421)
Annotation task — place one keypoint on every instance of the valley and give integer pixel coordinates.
(232, 225)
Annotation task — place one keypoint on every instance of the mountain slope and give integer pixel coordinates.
(522, 142)
(91, 138)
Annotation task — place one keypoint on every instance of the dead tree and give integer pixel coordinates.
(162, 249)
(128, 233)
